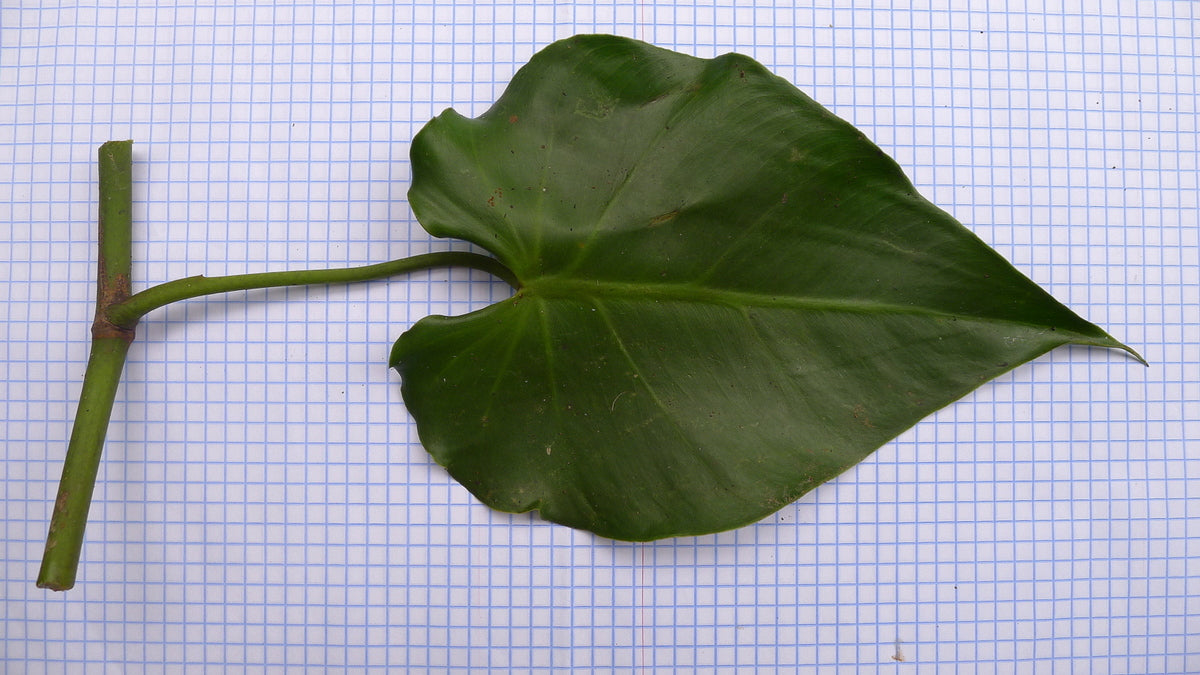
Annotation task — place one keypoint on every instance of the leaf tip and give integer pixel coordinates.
(1133, 352)
(1110, 342)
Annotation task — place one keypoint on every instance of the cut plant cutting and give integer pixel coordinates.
(724, 296)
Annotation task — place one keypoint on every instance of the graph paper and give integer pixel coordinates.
(264, 505)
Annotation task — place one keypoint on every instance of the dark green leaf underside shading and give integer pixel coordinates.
(728, 295)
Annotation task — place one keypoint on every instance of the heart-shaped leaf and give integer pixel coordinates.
(728, 295)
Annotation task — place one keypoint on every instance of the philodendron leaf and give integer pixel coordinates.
(727, 295)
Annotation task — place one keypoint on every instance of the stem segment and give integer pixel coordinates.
(110, 344)
(117, 315)
(60, 561)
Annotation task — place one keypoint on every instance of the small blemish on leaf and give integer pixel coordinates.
(512, 119)
(595, 108)
(860, 414)
(663, 218)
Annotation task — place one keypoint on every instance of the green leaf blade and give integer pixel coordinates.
(728, 295)
(732, 412)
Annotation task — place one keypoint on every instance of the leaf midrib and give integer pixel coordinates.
(551, 288)
(563, 288)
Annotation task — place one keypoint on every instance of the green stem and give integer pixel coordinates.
(110, 344)
(129, 311)
(117, 315)
(60, 561)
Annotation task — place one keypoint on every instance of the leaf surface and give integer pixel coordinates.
(728, 295)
